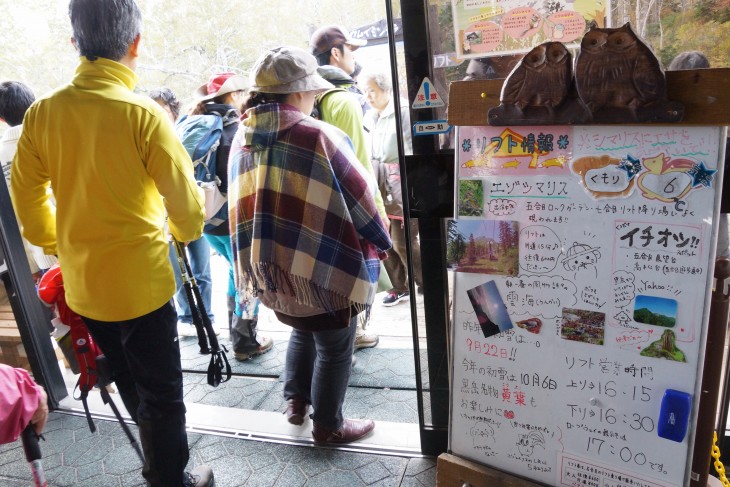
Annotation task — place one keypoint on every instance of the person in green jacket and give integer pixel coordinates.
(116, 168)
(333, 49)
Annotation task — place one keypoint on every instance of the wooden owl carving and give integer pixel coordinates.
(616, 70)
(541, 79)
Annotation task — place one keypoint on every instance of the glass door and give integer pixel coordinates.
(399, 36)
(427, 186)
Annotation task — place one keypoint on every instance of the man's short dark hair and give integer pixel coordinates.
(323, 58)
(166, 96)
(15, 98)
(104, 28)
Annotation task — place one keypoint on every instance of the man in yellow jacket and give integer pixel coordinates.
(116, 169)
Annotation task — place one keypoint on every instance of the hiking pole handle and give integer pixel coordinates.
(33, 455)
(30, 443)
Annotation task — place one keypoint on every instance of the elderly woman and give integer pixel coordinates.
(378, 89)
(306, 235)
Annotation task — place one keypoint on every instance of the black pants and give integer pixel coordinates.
(144, 357)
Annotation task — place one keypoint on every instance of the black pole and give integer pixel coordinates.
(427, 188)
(32, 318)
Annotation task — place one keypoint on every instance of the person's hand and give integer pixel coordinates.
(41, 413)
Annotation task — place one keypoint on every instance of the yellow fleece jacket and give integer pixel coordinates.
(116, 168)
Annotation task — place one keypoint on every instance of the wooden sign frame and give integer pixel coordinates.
(705, 94)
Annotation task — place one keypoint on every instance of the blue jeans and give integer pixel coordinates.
(199, 257)
(144, 357)
(318, 366)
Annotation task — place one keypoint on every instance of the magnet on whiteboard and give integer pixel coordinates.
(593, 401)
(674, 415)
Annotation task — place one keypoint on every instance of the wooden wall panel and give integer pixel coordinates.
(705, 94)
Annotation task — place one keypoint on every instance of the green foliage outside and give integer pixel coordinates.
(183, 42)
(668, 26)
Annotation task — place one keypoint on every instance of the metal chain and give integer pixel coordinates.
(719, 467)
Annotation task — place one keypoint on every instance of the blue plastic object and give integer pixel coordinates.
(674, 415)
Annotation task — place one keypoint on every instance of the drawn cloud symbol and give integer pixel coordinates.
(609, 179)
(623, 288)
(602, 177)
(501, 207)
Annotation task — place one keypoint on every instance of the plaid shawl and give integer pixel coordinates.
(304, 223)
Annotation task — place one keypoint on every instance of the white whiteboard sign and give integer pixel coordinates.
(581, 296)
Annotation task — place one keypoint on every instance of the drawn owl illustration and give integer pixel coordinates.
(541, 79)
(615, 69)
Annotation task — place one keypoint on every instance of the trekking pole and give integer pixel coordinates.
(33, 455)
(188, 279)
(103, 379)
(218, 359)
(93, 365)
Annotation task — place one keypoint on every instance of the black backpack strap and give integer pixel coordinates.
(318, 101)
(231, 116)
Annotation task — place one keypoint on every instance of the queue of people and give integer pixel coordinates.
(305, 233)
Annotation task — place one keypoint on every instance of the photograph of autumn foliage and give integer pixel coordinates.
(483, 246)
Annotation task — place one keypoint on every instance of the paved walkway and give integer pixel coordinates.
(74, 457)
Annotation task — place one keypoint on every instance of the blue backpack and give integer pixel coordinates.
(201, 136)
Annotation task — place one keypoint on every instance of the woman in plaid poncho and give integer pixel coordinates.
(306, 235)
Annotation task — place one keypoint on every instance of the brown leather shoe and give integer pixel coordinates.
(351, 430)
(296, 410)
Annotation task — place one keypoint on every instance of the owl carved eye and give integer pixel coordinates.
(556, 53)
(621, 41)
(594, 41)
(535, 58)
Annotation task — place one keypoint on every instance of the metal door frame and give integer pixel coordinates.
(32, 318)
(427, 181)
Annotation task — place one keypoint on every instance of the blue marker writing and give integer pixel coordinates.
(425, 90)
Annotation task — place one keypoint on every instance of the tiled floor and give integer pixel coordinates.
(74, 457)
